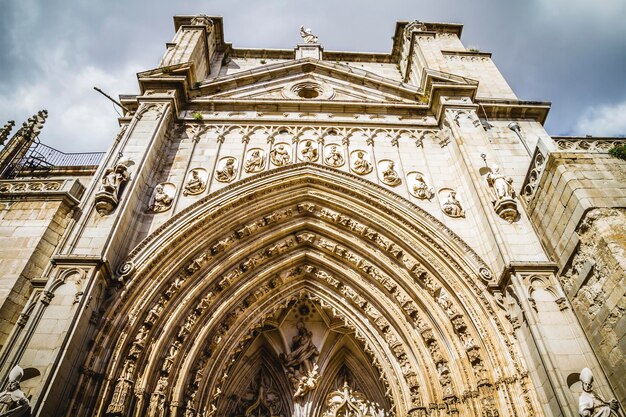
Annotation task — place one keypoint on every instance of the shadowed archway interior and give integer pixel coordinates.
(305, 291)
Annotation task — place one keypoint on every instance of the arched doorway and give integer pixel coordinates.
(305, 291)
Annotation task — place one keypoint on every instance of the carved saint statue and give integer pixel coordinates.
(300, 364)
(308, 153)
(502, 194)
(591, 404)
(390, 175)
(501, 185)
(451, 206)
(421, 190)
(195, 184)
(360, 165)
(156, 408)
(111, 183)
(307, 35)
(255, 162)
(228, 173)
(334, 157)
(122, 390)
(162, 201)
(280, 155)
(13, 398)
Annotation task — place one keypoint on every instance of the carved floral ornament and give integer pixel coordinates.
(261, 284)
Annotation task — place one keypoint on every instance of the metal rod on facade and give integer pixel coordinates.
(111, 98)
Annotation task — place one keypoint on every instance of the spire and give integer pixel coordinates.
(20, 143)
(4, 132)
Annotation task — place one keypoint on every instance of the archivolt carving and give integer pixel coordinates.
(412, 309)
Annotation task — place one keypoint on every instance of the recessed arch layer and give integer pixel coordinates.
(214, 290)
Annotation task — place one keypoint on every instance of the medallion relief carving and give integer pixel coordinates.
(418, 187)
(255, 161)
(226, 170)
(388, 173)
(333, 156)
(196, 182)
(450, 204)
(162, 197)
(360, 162)
(280, 154)
(308, 151)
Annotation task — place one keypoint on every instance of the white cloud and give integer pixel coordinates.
(606, 120)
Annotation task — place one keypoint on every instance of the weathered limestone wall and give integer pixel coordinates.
(577, 205)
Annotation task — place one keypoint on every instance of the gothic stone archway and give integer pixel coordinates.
(222, 303)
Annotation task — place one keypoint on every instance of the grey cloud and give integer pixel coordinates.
(53, 52)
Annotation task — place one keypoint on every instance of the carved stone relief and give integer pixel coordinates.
(333, 156)
(280, 154)
(226, 170)
(450, 204)
(360, 162)
(308, 151)
(255, 160)
(418, 187)
(388, 173)
(196, 182)
(162, 197)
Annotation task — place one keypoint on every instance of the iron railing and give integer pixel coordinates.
(44, 157)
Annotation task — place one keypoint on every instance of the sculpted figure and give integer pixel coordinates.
(421, 189)
(501, 185)
(308, 152)
(591, 404)
(162, 200)
(307, 35)
(280, 155)
(334, 158)
(255, 162)
(122, 390)
(502, 194)
(111, 183)
(361, 165)
(300, 365)
(228, 173)
(390, 175)
(451, 206)
(195, 184)
(13, 398)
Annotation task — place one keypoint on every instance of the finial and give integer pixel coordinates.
(5, 131)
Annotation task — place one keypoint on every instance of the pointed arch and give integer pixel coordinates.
(409, 293)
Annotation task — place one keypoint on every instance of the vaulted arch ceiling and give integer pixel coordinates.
(213, 289)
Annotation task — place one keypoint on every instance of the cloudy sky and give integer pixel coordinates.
(52, 52)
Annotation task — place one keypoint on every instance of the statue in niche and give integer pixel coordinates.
(361, 165)
(255, 162)
(334, 157)
(161, 200)
(13, 398)
(156, 408)
(308, 152)
(111, 183)
(300, 362)
(390, 175)
(195, 184)
(169, 359)
(280, 155)
(228, 172)
(122, 390)
(420, 189)
(502, 194)
(307, 35)
(451, 206)
(592, 405)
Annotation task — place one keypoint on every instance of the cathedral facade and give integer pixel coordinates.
(302, 232)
